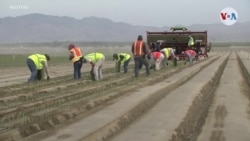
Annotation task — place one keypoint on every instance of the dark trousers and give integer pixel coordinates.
(39, 74)
(140, 65)
(125, 65)
(140, 60)
(77, 69)
(33, 70)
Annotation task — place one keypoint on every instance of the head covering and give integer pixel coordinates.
(115, 56)
(47, 57)
(139, 37)
(71, 46)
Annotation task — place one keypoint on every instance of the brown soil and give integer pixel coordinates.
(32, 111)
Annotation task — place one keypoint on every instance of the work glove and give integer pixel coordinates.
(48, 77)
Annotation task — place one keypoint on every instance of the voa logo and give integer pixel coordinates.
(228, 16)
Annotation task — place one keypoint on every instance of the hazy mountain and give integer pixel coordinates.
(45, 28)
(240, 32)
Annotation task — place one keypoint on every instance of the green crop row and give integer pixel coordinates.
(20, 60)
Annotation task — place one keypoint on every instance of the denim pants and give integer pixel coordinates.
(140, 60)
(125, 65)
(33, 70)
(77, 69)
(190, 59)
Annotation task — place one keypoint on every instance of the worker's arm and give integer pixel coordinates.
(71, 55)
(92, 65)
(146, 49)
(121, 58)
(45, 64)
(88, 60)
(132, 48)
(119, 62)
(172, 53)
(118, 65)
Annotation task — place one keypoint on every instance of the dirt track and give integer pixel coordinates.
(208, 101)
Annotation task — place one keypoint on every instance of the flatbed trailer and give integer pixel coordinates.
(179, 41)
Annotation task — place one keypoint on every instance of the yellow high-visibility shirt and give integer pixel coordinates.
(126, 57)
(93, 57)
(38, 59)
(191, 41)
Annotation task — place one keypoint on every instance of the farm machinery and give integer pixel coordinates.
(178, 38)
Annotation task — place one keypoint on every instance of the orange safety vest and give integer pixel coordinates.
(138, 48)
(77, 54)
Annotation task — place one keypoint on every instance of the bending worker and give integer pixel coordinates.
(157, 57)
(122, 58)
(96, 60)
(76, 57)
(36, 64)
(140, 51)
(189, 55)
(167, 52)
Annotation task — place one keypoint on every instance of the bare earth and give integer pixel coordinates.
(208, 101)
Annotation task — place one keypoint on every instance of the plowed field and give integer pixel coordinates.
(208, 101)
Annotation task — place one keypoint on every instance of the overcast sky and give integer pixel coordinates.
(136, 12)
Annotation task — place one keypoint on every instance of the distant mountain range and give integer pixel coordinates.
(46, 28)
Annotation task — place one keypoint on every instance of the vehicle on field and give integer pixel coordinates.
(178, 39)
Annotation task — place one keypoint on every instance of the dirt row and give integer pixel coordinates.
(216, 111)
(25, 106)
(16, 117)
(122, 113)
(69, 110)
(20, 75)
(175, 116)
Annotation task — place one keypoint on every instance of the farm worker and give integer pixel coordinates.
(157, 57)
(189, 55)
(96, 60)
(36, 63)
(167, 52)
(158, 46)
(155, 46)
(122, 58)
(191, 42)
(140, 50)
(75, 55)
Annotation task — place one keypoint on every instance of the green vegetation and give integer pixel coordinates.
(61, 57)
(12, 60)
(20, 60)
